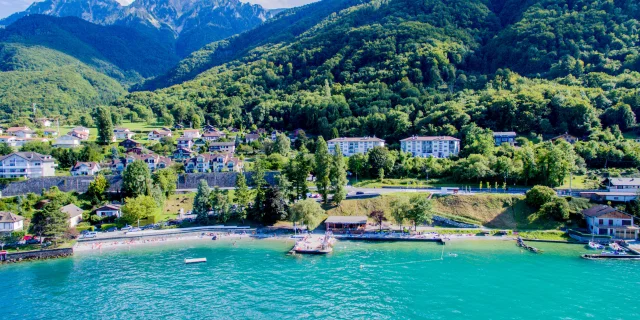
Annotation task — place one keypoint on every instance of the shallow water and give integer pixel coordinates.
(255, 279)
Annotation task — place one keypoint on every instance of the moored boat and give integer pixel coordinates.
(595, 246)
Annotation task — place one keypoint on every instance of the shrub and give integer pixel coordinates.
(540, 195)
(106, 226)
(83, 228)
(558, 209)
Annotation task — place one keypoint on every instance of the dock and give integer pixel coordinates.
(521, 244)
(195, 260)
(611, 256)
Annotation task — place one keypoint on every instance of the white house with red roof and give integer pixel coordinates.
(158, 134)
(85, 169)
(609, 221)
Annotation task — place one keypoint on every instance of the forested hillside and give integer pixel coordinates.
(401, 67)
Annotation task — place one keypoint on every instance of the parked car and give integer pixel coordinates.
(112, 229)
(126, 228)
(135, 230)
(359, 193)
(32, 241)
(90, 235)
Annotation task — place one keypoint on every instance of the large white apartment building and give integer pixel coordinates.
(27, 164)
(436, 147)
(351, 146)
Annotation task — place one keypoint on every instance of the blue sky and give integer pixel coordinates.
(7, 7)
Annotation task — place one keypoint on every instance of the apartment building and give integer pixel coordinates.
(351, 146)
(431, 146)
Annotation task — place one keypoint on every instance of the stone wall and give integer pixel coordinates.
(80, 184)
(37, 255)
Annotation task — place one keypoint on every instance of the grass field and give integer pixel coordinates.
(142, 128)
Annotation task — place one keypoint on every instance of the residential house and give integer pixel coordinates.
(123, 133)
(434, 146)
(198, 143)
(27, 164)
(191, 133)
(185, 142)
(213, 135)
(44, 122)
(619, 184)
(153, 161)
(614, 196)
(74, 214)
(10, 222)
(251, 137)
(209, 128)
(220, 162)
(67, 141)
(10, 140)
(129, 144)
(351, 146)
(109, 210)
(82, 135)
(229, 147)
(505, 137)
(156, 135)
(21, 132)
(566, 137)
(50, 132)
(605, 220)
(182, 154)
(85, 169)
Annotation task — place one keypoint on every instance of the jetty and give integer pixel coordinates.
(195, 260)
(312, 245)
(521, 244)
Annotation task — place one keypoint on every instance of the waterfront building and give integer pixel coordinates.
(605, 220)
(351, 146)
(109, 210)
(27, 164)
(85, 169)
(74, 214)
(346, 224)
(10, 222)
(505, 137)
(432, 146)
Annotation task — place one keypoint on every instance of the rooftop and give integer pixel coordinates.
(72, 210)
(431, 138)
(601, 210)
(506, 133)
(29, 156)
(356, 139)
(9, 217)
(624, 181)
(347, 219)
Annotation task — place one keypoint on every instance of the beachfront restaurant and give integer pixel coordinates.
(346, 224)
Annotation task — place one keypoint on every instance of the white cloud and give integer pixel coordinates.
(8, 7)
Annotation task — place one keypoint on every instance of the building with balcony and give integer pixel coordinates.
(351, 146)
(85, 169)
(191, 133)
(219, 162)
(123, 133)
(185, 142)
(27, 164)
(9, 140)
(622, 184)
(435, 147)
(605, 220)
(156, 135)
(226, 147)
(504, 137)
(20, 132)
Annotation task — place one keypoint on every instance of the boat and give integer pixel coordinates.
(595, 246)
(195, 260)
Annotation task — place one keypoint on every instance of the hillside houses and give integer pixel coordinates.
(153, 161)
(219, 162)
(156, 135)
(21, 132)
(85, 169)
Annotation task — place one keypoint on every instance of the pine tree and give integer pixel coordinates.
(201, 203)
(338, 177)
(297, 172)
(322, 168)
(105, 126)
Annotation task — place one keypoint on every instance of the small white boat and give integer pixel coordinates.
(196, 260)
(595, 246)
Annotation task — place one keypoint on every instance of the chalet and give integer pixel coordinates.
(504, 137)
(85, 169)
(346, 224)
(191, 133)
(20, 132)
(228, 147)
(185, 142)
(67, 141)
(27, 164)
(50, 132)
(620, 184)
(436, 147)
(566, 137)
(351, 146)
(9, 140)
(156, 135)
(109, 210)
(10, 222)
(213, 135)
(129, 144)
(220, 162)
(605, 220)
(74, 214)
(251, 137)
(123, 133)
(182, 154)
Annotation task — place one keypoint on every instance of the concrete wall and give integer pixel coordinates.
(81, 183)
(37, 255)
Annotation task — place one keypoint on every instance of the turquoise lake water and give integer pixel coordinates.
(256, 280)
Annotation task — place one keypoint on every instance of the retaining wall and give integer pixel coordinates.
(37, 255)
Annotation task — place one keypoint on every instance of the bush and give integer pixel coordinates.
(539, 195)
(106, 226)
(558, 209)
(83, 228)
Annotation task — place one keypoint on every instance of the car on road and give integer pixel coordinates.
(90, 235)
(126, 228)
(359, 193)
(112, 229)
(135, 230)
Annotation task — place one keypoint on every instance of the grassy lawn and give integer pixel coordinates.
(545, 235)
(580, 182)
(142, 128)
(176, 201)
